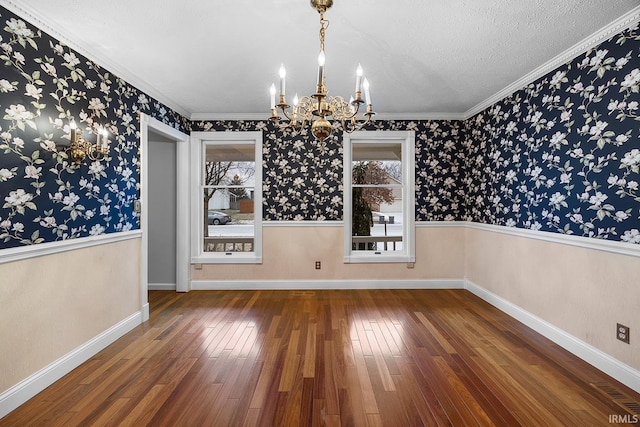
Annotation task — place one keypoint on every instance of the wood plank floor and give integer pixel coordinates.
(335, 358)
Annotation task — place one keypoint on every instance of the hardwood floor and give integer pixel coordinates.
(336, 358)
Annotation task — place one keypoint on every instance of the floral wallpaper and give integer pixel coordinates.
(563, 154)
(440, 165)
(44, 85)
(560, 155)
(302, 179)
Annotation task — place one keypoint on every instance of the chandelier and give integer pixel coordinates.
(316, 108)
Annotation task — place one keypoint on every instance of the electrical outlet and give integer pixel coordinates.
(622, 333)
(318, 265)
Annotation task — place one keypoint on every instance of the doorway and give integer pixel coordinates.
(164, 215)
(161, 211)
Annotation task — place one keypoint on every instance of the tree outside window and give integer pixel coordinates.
(366, 199)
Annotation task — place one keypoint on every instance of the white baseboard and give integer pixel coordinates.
(145, 312)
(34, 384)
(209, 285)
(599, 359)
(162, 286)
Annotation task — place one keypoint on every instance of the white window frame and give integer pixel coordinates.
(407, 141)
(199, 142)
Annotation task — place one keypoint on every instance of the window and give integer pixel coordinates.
(379, 196)
(226, 197)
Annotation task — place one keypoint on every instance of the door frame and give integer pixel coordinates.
(148, 123)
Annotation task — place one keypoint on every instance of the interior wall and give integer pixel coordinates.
(53, 304)
(584, 292)
(162, 211)
(55, 199)
(289, 253)
(561, 154)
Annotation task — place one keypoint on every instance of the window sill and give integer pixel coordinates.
(379, 259)
(231, 258)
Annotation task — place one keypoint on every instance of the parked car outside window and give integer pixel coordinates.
(217, 218)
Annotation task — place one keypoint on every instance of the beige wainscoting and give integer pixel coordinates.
(53, 304)
(582, 291)
(289, 253)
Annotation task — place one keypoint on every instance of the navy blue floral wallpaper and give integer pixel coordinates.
(560, 155)
(563, 153)
(43, 85)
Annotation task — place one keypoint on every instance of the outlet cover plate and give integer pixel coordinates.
(622, 333)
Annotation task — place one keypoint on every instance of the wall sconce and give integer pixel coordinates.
(79, 148)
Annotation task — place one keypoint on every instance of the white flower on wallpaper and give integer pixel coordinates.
(18, 200)
(631, 236)
(44, 85)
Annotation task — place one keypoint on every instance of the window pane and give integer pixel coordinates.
(229, 164)
(377, 196)
(229, 229)
(228, 192)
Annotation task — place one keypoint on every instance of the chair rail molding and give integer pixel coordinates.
(621, 248)
(49, 248)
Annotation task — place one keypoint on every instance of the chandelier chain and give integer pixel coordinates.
(324, 24)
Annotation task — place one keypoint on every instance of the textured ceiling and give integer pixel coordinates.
(423, 58)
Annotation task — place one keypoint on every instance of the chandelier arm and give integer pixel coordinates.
(283, 108)
(299, 115)
(355, 111)
(354, 124)
(95, 155)
(279, 123)
(346, 127)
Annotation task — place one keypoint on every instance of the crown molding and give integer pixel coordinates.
(379, 116)
(419, 116)
(49, 27)
(625, 21)
(197, 117)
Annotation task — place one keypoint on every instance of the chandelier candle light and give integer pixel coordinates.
(79, 148)
(317, 107)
